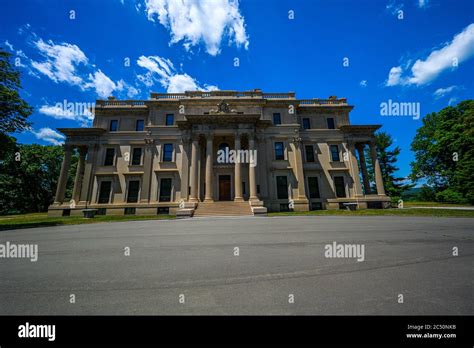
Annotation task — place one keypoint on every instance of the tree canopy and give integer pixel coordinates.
(444, 153)
(14, 111)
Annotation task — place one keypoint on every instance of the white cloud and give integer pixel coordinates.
(394, 76)
(162, 70)
(363, 83)
(61, 61)
(196, 21)
(69, 111)
(49, 135)
(441, 92)
(458, 50)
(423, 3)
(452, 100)
(393, 7)
(57, 112)
(102, 84)
(9, 45)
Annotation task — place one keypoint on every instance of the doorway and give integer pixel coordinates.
(224, 188)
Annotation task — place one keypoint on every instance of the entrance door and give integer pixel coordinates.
(224, 187)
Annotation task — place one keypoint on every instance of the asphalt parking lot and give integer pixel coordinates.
(251, 265)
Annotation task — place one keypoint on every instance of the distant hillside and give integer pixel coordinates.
(411, 194)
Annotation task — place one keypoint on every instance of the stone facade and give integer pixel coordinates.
(160, 156)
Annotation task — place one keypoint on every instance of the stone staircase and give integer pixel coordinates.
(223, 208)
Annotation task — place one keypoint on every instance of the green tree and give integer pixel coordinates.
(14, 111)
(28, 178)
(387, 155)
(444, 153)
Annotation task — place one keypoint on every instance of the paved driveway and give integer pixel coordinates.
(279, 259)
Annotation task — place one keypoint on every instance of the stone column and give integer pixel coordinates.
(377, 170)
(88, 178)
(62, 181)
(194, 170)
(76, 192)
(363, 167)
(252, 174)
(148, 154)
(238, 176)
(209, 166)
(299, 168)
(355, 169)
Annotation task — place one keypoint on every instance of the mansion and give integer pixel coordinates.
(161, 156)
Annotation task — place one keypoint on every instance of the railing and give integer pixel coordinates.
(124, 103)
(316, 101)
(168, 95)
(208, 94)
(290, 95)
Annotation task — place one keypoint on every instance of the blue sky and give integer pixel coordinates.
(417, 51)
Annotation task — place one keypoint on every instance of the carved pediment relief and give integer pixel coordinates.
(222, 108)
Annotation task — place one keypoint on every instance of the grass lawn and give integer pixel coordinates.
(431, 204)
(9, 222)
(375, 212)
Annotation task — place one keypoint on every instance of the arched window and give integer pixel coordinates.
(223, 146)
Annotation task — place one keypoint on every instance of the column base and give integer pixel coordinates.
(208, 200)
(238, 199)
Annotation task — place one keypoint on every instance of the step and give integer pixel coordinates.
(227, 208)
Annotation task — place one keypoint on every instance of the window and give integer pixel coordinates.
(309, 153)
(133, 189)
(165, 190)
(279, 151)
(109, 156)
(129, 211)
(334, 153)
(330, 121)
(169, 119)
(163, 210)
(282, 187)
(313, 187)
(316, 206)
(276, 118)
(140, 125)
(306, 123)
(137, 156)
(113, 126)
(224, 146)
(104, 191)
(167, 152)
(340, 187)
